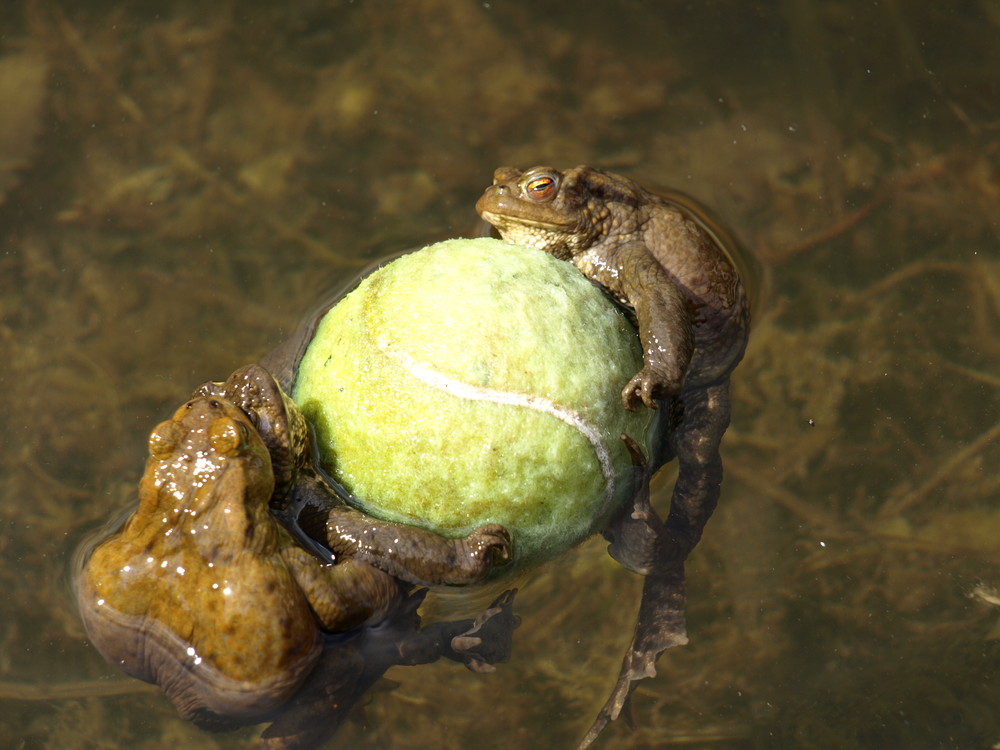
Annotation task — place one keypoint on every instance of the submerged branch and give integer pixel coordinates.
(21, 691)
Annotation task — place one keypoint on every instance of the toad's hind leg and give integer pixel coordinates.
(345, 595)
(696, 440)
(661, 621)
(660, 625)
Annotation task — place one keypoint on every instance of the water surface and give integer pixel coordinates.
(182, 181)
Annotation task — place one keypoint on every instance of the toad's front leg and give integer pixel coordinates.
(480, 644)
(415, 554)
(407, 552)
(663, 317)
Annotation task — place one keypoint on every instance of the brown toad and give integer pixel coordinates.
(202, 591)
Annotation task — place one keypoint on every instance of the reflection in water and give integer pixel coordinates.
(206, 172)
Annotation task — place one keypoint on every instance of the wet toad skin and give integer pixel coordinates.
(658, 260)
(202, 591)
(311, 502)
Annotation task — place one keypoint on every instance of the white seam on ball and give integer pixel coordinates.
(427, 374)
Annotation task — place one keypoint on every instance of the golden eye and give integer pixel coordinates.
(227, 436)
(165, 438)
(541, 188)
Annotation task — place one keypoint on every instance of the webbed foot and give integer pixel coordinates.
(660, 626)
(489, 640)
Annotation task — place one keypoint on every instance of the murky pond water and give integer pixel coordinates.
(181, 181)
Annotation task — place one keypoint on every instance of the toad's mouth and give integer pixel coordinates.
(501, 208)
(513, 218)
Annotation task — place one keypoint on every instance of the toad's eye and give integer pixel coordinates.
(165, 439)
(541, 188)
(228, 437)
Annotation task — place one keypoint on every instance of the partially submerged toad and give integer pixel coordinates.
(202, 591)
(353, 662)
(666, 261)
(205, 593)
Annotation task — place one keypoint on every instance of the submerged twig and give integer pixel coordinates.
(812, 514)
(21, 691)
(900, 502)
(921, 174)
(75, 41)
(911, 271)
(969, 372)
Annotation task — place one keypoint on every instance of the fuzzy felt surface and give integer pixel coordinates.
(475, 382)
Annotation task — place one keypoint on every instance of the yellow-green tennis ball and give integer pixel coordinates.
(475, 382)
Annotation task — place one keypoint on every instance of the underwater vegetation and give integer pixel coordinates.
(186, 180)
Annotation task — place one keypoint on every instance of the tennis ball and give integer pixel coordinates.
(475, 382)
